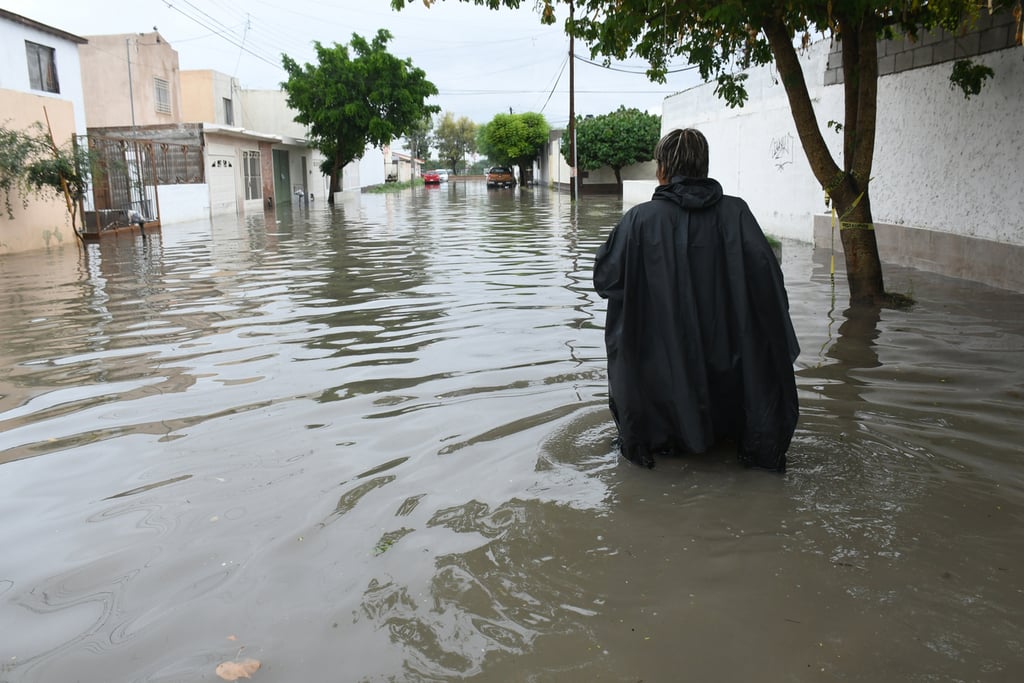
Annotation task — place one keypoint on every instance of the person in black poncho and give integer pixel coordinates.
(699, 339)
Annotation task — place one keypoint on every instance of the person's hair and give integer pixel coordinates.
(683, 152)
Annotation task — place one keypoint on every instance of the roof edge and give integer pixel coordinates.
(39, 26)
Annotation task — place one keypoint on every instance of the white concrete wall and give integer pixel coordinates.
(182, 203)
(948, 164)
(558, 170)
(606, 175)
(267, 111)
(755, 151)
(636, 191)
(225, 87)
(14, 72)
(941, 163)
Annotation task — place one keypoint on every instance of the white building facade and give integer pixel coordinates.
(946, 191)
(40, 81)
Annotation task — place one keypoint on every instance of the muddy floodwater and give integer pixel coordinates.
(372, 444)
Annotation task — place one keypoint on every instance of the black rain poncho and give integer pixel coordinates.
(699, 340)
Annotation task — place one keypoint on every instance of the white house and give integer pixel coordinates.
(40, 80)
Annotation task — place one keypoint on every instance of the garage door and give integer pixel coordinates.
(222, 174)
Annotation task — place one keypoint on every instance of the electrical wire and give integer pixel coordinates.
(220, 33)
(689, 67)
(555, 84)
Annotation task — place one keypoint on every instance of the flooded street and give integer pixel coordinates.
(372, 444)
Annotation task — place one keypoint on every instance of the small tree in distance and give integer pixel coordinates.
(454, 139)
(351, 102)
(618, 139)
(418, 138)
(514, 139)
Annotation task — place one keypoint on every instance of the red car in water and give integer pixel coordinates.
(431, 178)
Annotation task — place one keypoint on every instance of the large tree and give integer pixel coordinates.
(350, 101)
(617, 139)
(454, 139)
(725, 37)
(515, 139)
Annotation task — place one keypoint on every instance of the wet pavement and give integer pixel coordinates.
(372, 444)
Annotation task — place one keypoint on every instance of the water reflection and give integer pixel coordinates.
(373, 440)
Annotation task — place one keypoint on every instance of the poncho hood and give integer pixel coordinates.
(690, 193)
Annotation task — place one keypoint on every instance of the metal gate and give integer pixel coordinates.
(127, 172)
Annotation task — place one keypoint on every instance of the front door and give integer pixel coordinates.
(282, 177)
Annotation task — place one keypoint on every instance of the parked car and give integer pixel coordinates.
(431, 178)
(500, 176)
(442, 174)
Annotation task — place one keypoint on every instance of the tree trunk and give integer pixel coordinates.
(853, 203)
(334, 180)
(847, 187)
(618, 178)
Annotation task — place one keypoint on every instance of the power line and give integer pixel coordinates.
(690, 67)
(555, 84)
(220, 33)
(541, 92)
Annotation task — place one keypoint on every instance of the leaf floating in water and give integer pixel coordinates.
(232, 671)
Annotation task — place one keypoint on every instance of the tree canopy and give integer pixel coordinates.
(722, 38)
(515, 139)
(419, 138)
(349, 101)
(454, 138)
(617, 139)
(32, 164)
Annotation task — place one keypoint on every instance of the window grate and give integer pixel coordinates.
(163, 95)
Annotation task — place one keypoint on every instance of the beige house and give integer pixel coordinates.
(40, 79)
(130, 79)
(210, 96)
(253, 158)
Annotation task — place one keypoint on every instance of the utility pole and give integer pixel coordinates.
(572, 111)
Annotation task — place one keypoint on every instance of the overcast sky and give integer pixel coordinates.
(482, 61)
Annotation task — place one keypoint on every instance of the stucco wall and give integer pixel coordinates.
(950, 165)
(755, 151)
(369, 170)
(14, 72)
(197, 97)
(600, 180)
(43, 222)
(267, 111)
(105, 65)
(182, 203)
(605, 175)
(941, 163)
(559, 173)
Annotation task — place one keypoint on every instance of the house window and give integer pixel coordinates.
(251, 175)
(42, 67)
(229, 112)
(163, 96)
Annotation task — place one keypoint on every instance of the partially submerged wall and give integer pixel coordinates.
(942, 164)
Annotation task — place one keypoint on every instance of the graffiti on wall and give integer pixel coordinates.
(781, 150)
